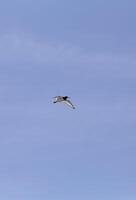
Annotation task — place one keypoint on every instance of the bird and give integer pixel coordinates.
(64, 99)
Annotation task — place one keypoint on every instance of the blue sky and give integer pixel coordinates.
(83, 49)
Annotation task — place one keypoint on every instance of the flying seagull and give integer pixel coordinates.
(64, 99)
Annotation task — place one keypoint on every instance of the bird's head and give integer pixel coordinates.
(66, 97)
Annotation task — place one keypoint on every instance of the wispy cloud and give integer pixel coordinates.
(17, 47)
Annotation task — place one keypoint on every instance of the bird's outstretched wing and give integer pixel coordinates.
(69, 103)
(55, 98)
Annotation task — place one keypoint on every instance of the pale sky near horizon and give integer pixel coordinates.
(83, 49)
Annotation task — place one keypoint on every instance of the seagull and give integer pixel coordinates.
(64, 99)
